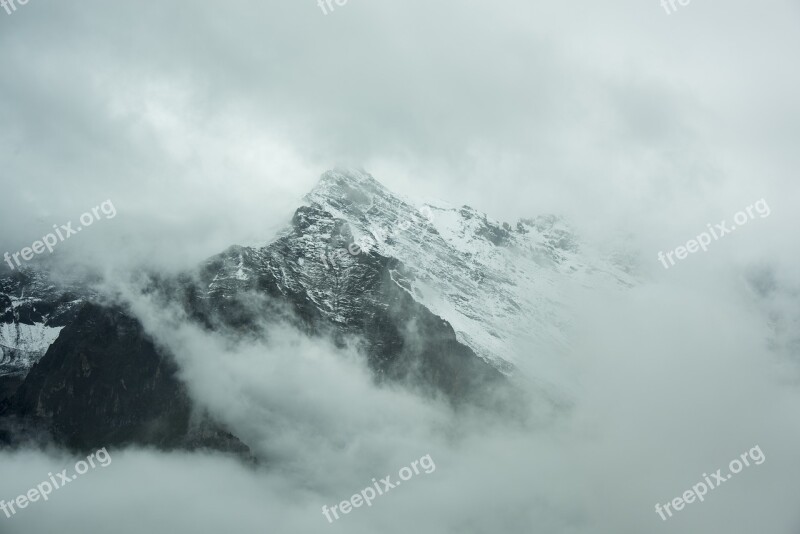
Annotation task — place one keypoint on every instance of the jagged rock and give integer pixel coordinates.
(437, 295)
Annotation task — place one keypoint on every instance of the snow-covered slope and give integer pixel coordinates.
(438, 298)
(33, 311)
(21, 345)
(500, 286)
(503, 288)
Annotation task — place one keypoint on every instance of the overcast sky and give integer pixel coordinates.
(206, 122)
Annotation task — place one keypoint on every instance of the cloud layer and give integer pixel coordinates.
(206, 123)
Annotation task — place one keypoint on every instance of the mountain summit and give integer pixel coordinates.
(499, 285)
(440, 298)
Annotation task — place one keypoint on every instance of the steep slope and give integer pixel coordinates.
(34, 308)
(361, 297)
(104, 383)
(437, 298)
(499, 286)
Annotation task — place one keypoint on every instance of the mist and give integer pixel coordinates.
(674, 382)
(206, 124)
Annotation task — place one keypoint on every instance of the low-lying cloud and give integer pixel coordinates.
(674, 382)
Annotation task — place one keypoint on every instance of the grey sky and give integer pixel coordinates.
(205, 122)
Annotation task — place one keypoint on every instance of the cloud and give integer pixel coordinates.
(674, 382)
(206, 124)
(615, 115)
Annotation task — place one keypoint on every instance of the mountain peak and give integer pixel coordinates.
(495, 283)
(356, 185)
(353, 195)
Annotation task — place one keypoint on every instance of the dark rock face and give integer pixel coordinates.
(364, 295)
(104, 383)
(33, 308)
(9, 385)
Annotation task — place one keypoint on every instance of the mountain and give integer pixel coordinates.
(495, 283)
(34, 308)
(440, 299)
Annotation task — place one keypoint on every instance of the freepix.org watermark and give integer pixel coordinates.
(667, 4)
(43, 490)
(370, 493)
(327, 5)
(64, 232)
(703, 240)
(700, 490)
(10, 6)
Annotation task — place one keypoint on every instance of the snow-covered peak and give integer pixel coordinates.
(351, 186)
(502, 286)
